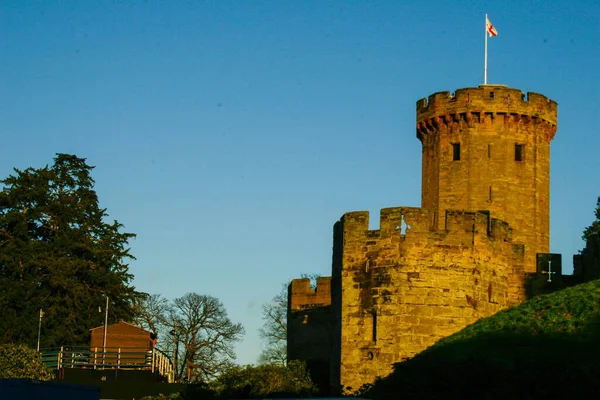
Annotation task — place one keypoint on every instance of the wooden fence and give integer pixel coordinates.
(109, 358)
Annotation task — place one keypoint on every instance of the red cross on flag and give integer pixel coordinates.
(490, 28)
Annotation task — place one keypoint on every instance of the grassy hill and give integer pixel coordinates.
(546, 348)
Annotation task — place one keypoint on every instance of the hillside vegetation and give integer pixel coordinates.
(19, 361)
(548, 347)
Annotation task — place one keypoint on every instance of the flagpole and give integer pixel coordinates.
(485, 55)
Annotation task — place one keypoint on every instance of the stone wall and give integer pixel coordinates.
(429, 272)
(398, 292)
(310, 332)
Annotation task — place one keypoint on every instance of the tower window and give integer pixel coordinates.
(491, 95)
(456, 151)
(489, 151)
(518, 152)
(374, 332)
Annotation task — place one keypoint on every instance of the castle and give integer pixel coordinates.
(428, 272)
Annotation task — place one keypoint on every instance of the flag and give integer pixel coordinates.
(490, 28)
(42, 313)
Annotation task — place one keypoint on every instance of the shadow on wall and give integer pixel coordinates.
(496, 366)
(547, 350)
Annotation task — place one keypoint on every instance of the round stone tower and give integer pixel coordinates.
(488, 148)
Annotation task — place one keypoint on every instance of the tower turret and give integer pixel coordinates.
(488, 148)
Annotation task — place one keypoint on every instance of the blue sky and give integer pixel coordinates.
(230, 136)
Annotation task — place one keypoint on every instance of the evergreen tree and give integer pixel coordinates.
(594, 228)
(57, 253)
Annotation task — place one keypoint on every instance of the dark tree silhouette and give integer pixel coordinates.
(58, 253)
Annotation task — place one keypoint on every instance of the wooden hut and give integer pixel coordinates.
(125, 343)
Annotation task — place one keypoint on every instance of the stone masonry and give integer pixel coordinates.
(309, 322)
(490, 125)
(429, 272)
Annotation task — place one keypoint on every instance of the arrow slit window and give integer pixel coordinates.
(456, 151)
(374, 332)
(519, 152)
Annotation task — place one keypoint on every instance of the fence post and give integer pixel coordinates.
(60, 354)
(171, 373)
(153, 357)
(95, 355)
(119, 358)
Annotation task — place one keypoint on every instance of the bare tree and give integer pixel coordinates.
(150, 313)
(274, 329)
(204, 334)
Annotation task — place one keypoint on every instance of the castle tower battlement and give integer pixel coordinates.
(428, 272)
(405, 222)
(407, 230)
(443, 106)
(396, 293)
(302, 296)
(488, 148)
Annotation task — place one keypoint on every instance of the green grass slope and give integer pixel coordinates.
(546, 348)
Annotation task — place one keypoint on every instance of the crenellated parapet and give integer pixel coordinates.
(408, 284)
(404, 223)
(487, 104)
(302, 296)
(408, 242)
(392, 221)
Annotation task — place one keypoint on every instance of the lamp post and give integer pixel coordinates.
(105, 328)
(175, 352)
(40, 329)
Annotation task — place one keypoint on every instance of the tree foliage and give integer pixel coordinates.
(196, 329)
(19, 361)
(58, 254)
(594, 228)
(264, 381)
(173, 396)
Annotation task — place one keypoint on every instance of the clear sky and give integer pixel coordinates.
(231, 135)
